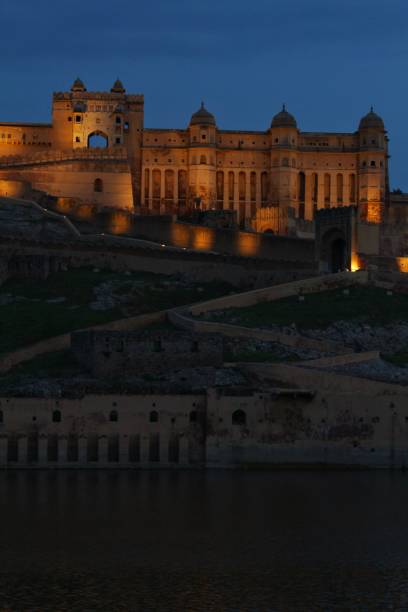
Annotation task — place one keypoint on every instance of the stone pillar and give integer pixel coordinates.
(346, 189)
(124, 449)
(236, 193)
(248, 203)
(164, 448)
(22, 449)
(258, 190)
(144, 448)
(308, 196)
(176, 193)
(103, 450)
(183, 449)
(150, 201)
(3, 450)
(162, 188)
(142, 186)
(42, 450)
(82, 450)
(225, 203)
(320, 191)
(333, 189)
(62, 450)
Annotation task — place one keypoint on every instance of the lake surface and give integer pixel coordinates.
(199, 542)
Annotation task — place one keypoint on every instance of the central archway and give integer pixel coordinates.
(98, 140)
(333, 253)
(338, 255)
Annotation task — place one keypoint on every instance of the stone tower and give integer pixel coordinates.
(283, 172)
(372, 167)
(111, 119)
(202, 158)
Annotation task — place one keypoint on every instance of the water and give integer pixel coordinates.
(195, 542)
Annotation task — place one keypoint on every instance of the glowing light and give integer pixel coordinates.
(120, 223)
(248, 244)
(402, 264)
(355, 262)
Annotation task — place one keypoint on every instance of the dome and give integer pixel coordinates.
(202, 117)
(371, 121)
(78, 85)
(284, 119)
(118, 87)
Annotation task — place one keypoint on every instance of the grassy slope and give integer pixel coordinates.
(369, 305)
(31, 320)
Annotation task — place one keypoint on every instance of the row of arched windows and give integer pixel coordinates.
(230, 182)
(153, 188)
(232, 186)
(341, 196)
(238, 417)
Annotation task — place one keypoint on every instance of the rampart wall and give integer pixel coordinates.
(313, 425)
(268, 294)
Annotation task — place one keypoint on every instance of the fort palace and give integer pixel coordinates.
(97, 150)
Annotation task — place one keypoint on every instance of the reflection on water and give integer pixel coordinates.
(191, 541)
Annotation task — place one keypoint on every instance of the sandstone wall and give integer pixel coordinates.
(104, 253)
(76, 179)
(345, 422)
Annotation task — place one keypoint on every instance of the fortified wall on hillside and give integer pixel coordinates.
(173, 170)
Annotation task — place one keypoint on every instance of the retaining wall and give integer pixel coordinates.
(59, 343)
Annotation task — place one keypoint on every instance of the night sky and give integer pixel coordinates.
(328, 60)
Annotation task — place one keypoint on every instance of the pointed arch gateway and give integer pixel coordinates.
(98, 140)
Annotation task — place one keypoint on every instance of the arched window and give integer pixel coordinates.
(339, 188)
(239, 417)
(98, 185)
(231, 185)
(264, 187)
(242, 186)
(253, 186)
(97, 140)
(327, 190)
(352, 187)
(203, 159)
(169, 184)
(146, 185)
(220, 186)
(182, 185)
(154, 416)
(315, 187)
(193, 416)
(301, 186)
(113, 416)
(56, 416)
(118, 120)
(156, 178)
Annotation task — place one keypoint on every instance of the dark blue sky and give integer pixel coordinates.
(329, 60)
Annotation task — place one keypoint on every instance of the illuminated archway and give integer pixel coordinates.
(98, 140)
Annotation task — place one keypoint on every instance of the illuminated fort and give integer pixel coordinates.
(97, 150)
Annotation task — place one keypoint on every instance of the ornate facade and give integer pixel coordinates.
(173, 170)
